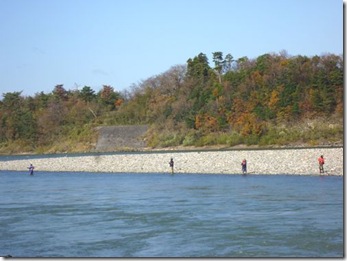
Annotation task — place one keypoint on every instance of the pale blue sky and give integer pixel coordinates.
(118, 43)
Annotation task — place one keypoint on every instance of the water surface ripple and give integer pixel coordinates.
(57, 214)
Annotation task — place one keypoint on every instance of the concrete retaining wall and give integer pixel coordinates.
(113, 138)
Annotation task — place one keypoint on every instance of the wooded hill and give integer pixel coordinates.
(274, 99)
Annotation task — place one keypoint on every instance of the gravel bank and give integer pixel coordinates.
(278, 161)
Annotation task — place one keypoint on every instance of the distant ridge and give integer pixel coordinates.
(113, 138)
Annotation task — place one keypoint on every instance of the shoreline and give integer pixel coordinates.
(169, 150)
(292, 161)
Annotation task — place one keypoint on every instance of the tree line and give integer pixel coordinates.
(232, 101)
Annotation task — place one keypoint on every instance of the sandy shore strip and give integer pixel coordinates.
(277, 161)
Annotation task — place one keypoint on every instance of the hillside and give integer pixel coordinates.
(272, 100)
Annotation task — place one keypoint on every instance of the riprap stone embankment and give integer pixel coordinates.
(303, 161)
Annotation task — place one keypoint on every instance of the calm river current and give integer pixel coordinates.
(57, 214)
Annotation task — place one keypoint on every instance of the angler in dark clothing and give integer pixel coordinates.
(171, 163)
(321, 164)
(244, 166)
(31, 169)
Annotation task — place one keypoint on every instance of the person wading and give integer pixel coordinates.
(31, 169)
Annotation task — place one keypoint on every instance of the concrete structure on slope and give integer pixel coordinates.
(112, 138)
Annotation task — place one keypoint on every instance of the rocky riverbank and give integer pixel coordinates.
(301, 161)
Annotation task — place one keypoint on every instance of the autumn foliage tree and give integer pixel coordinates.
(244, 98)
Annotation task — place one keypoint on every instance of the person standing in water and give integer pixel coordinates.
(171, 163)
(31, 169)
(321, 163)
(244, 166)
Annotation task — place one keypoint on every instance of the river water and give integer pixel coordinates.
(59, 214)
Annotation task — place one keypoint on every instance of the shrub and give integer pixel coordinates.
(190, 139)
(234, 139)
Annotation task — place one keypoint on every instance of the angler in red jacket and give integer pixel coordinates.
(321, 163)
